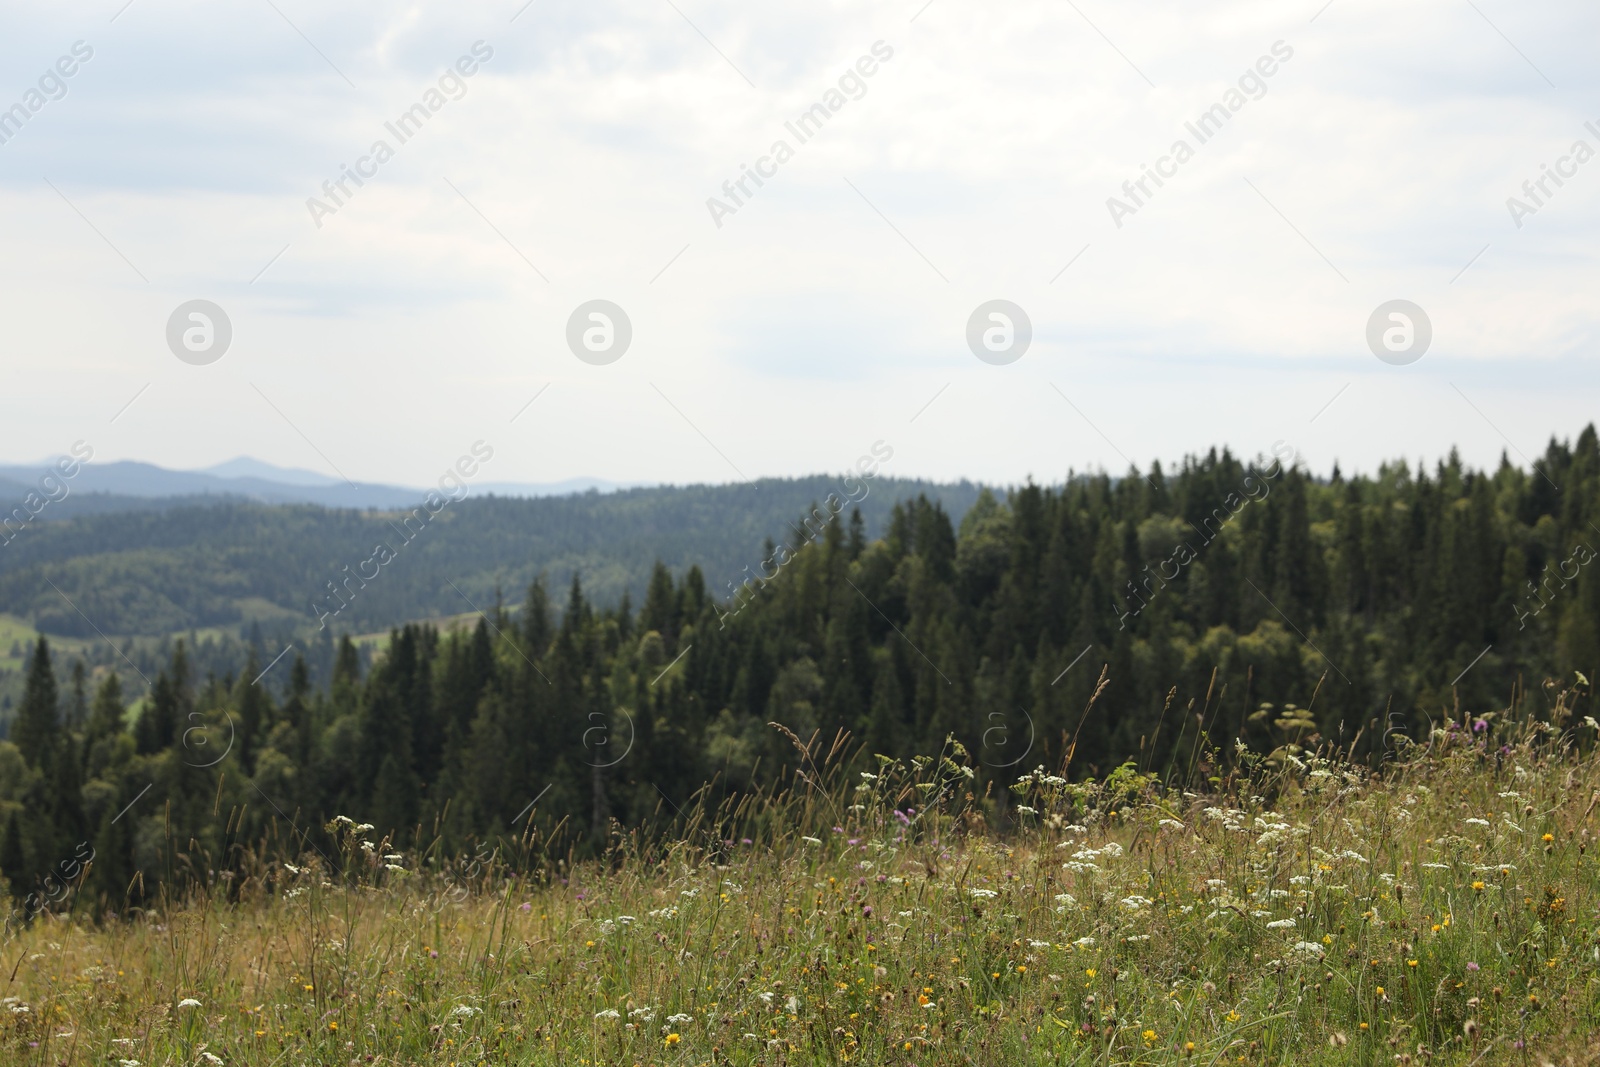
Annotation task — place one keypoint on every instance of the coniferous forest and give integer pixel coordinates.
(1152, 618)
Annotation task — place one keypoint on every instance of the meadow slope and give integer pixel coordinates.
(1439, 908)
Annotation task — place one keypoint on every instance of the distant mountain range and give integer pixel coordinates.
(130, 485)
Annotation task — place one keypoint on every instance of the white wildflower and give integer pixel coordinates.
(188, 1002)
(1307, 950)
(466, 1011)
(1281, 924)
(609, 1013)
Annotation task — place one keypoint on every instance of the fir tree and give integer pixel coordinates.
(36, 728)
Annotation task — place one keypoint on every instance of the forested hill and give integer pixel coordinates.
(1155, 618)
(162, 570)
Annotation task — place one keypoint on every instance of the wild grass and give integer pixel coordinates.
(1439, 906)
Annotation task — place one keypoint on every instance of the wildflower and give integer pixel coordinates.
(1361, 1026)
(333, 1026)
(673, 1039)
(211, 1058)
(1307, 950)
(678, 1020)
(1281, 924)
(188, 1002)
(1233, 1016)
(1380, 991)
(1547, 838)
(1090, 972)
(1470, 1029)
(609, 1013)
(1477, 887)
(465, 1010)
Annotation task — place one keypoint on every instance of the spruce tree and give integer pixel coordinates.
(36, 727)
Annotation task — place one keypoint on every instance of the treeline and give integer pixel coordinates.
(1157, 617)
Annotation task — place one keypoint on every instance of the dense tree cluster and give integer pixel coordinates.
(1105, 619)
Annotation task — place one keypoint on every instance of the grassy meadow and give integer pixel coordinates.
(1440, 908)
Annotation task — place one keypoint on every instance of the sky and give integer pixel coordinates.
(1357, 153)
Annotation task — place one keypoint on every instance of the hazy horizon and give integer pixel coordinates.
(935, 157)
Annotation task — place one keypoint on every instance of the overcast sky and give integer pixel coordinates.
(379, 338)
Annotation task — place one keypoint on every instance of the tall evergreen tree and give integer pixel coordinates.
(36, 728)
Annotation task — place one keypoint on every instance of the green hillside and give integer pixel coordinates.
(191, 567)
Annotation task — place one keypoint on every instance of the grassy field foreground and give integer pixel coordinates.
(1306, 911)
